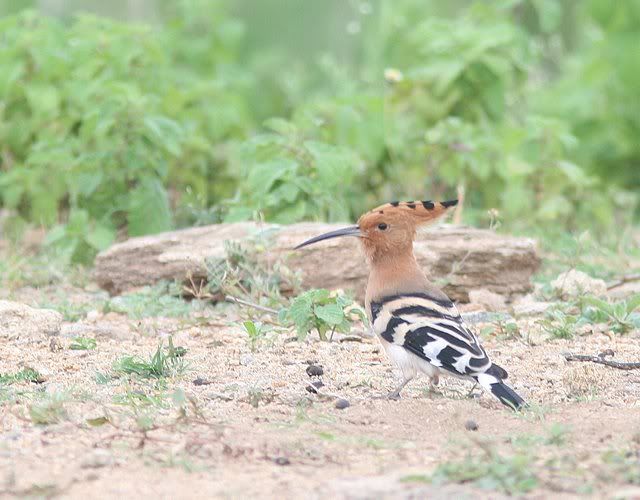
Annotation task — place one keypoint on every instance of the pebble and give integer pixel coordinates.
(246, 359)
(96, 459)
(314, 371)
(282, 461)
(314, 386)
(93, 316)
(341, 404)
(201, 381)
(471, 425)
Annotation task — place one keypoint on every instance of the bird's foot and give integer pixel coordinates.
(473, 395)
(394, 395)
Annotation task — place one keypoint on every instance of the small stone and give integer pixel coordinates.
(528, 306)
(219, 395)
(576, 283)
(471, 425)
(282, 461)
(341, 404)
(314, 370)
(55, 345)
(201, 381)
(314, 386)
(93, 315)
(96, 459)
(246, 359)
(489, 300)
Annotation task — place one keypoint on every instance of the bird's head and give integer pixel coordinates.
(389, 228)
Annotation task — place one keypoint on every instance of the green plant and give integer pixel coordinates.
(165, 362)
(256, 331)
(50, 409)
(103, 105)
(511, 474)
(162, 299)
(289, 177)
(322, 311)
(623, 315)
(250, 272)
(83, 344)
(24, 375)
(563, 321)
(561, 325)
(625, 463)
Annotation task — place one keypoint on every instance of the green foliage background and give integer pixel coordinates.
(195, 111)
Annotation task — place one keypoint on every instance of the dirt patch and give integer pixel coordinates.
(239, 423)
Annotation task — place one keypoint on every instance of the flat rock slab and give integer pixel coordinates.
(457, 258)
(20, 320)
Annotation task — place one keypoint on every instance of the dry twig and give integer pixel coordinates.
(241, 302)
(600, 359)
(625, 279)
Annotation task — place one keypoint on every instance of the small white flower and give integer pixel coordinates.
(393, 75)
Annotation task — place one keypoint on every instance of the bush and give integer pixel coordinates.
(97, 125)
(108, 128)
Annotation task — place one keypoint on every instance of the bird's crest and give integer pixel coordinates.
(415, 212)
(390, 227)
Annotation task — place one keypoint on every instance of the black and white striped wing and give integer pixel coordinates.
(432, 329)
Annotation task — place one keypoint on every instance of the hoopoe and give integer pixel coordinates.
(418, 325)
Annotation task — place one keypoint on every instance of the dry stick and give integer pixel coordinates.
(625, 279)
(241, 302)
(600, 359)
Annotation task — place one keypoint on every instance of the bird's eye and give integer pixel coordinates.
(382, 226)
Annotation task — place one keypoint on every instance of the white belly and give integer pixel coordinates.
(409, 363)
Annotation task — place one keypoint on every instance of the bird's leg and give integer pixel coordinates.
(395, 394)
(470, 393)
(433, 381)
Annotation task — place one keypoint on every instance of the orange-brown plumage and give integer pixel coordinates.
(390, 229)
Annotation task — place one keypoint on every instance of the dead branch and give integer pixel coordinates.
(600, 359)
(625, 279)
(241, 302)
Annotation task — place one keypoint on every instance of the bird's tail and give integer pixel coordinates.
(492, 381)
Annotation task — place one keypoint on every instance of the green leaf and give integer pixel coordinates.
(281, 126)
(633, 303)
(148, 211)
(97, 422)
(250, 327)
(300, 313)
(101, 237)
(332, 314)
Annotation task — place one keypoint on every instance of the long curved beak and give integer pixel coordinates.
(347, 231)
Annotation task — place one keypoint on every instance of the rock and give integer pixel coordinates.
(473, 318)
(106, 330)
(314, 386)
(201, 381)
(93, 316)
(528, 306)
(468, 258)
(471, 425)
(97, 458)
(314, 371)
(20, 320)
(246, 359)
(575, 283)
(489, 300)
(341, 404)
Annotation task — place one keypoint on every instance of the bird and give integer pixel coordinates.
(419, 327)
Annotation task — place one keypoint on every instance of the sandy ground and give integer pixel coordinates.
(248, 427)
